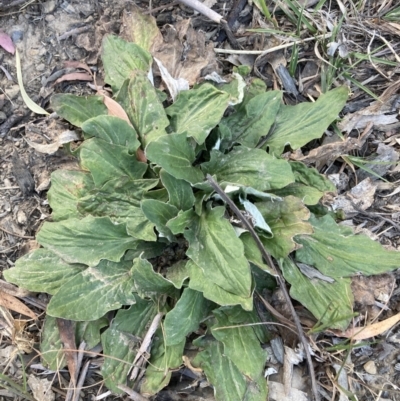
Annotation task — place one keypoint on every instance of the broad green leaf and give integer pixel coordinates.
(159, 213)
(241, 345)
(120, 58)
(216, 249)
(148, 283)
(182, 221)
(309, 195)
(200, 282)
(106, 161)
(119, 350)
(51, 348)
(286, 218)
(253, 254)
(86, 241)
(162, 361)
(93, 292)
(186, 316)
(330, 303)
(90, 332)
(177, 273)
(223, 374)
(196, 112)
(250, 125)
(112, 130)
(140, 101)
(297, 125)
(42, 271)
(141, 28)
(27, 100)
(67, 187)
(77, 109)
(176, 156)
(249, 167)
(122, 340)
(120, 200)
(235, 88)
(180, 192)
(337, 252)
(309, 186)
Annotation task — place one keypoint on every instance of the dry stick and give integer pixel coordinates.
(146, 343)
(281, 281)
(133, 395)
(213, 16)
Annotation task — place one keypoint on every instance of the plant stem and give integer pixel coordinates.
(281, 280)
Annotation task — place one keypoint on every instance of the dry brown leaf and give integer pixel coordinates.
(50, 148)
(114, 108)
(77, 64)
(14, 304)
(67, 336)
(41, 388)
(74, 76)
(375, 113)
(373, 330)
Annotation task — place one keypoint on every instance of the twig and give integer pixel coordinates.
(281, 280)
(273, 49)
(16, 235)
(146, 343)
(73, 32)
(133, 395)
(153, 10)
(213, 16)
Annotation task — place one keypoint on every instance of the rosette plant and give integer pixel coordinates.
(144, 242)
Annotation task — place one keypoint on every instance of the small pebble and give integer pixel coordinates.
(49, 18)
(3, 116)
(12, 92)
(21, 217)
(40, 67)
(370, 367)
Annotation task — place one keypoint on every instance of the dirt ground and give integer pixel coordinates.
(50, 33)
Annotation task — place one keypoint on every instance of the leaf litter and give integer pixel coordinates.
(376, 137)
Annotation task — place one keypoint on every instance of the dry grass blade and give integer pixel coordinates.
(28, 101)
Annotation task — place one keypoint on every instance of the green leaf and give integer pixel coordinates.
(140, 101)
(112, 130)
(159, 213)
(148, 283)
(141, 29)
(120, 200)
(67, 187)
(106, 161)
(119, 350)
(200, 282)
(163, 359)
(297, 125)
(182, 221)
(86, 241)
(310, 185)
(249, 167)
(253, 254)
(121, 341)
(177, 273)
(175, 155)
(330, 303)
(216, 249)
(254, 122)
(180, 192)
(337, 252)
(223, 374)
(120, 58)
(77, 109)
(186, 316)
(196, 112)
(286, 218)
(241, 344)
(41, 271)
(93, 292)
(51, 348)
